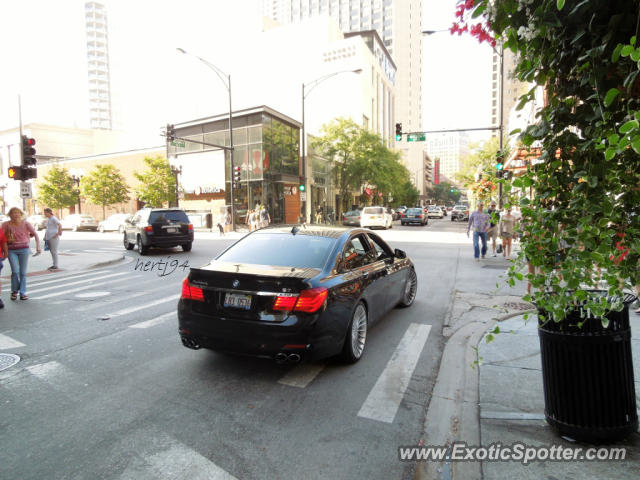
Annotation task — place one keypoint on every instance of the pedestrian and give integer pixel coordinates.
(5, 254)
(265, 219)
(227, 221)
(255, 218)
(492, 232)
(249, 220)
(319, 214)
(507, 228)
(18, 232)
(52, 236)
(479, 221)
(221, 222)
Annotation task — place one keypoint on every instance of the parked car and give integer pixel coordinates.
(78, 221)
(434, 212)
(114, 222)
(352, 217)
(444, 209)
(39, 222)
(460, 212)
(279, 294)
(414, 216)
(376, 217)
(158, 227)
(401, 209)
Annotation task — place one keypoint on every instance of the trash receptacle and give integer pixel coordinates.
(587, 374)
(209, 220)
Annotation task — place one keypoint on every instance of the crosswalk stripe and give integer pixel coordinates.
(62, 279)
(7, 342)
(78, 289)
(129, 297)
(153, 321)
(93, 251)
(302, 375)
(142, 307)
(76, 283)
(383, 401)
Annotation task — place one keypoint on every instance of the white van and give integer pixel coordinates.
(376, 217)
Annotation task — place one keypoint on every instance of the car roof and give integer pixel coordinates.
(312, 230)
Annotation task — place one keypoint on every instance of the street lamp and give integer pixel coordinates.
(76, 175)
(226, 80)
(501, 124)
(310, 86)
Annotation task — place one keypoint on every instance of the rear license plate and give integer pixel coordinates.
(236, 300)
(171, 230)
(373, 217)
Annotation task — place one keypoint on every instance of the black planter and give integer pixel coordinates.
(587, 374)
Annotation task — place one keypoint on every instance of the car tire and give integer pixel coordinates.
(356, 335)
(410, 290)
(101, 229)
(127, 245)
(142, 250)
(186, 247)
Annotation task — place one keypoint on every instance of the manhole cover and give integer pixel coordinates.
(8, 360)
(495, 267)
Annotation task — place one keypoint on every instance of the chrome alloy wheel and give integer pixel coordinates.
(410, 289)
(359, 331)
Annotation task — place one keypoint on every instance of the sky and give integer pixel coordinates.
(153, 84)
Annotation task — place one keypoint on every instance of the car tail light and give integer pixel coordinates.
(309, 301)
(148, 228)
(358, 217)
(190, 226)
(190, 292)
(419, 216)
(402, 215)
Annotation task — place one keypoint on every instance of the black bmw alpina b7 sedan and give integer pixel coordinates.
(290, 293)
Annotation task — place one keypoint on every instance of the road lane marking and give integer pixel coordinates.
(154, 321)
(142, 307)
(62, 279)
(128, 297)
(77, 289)
(302, 375)
(7, 342)
(93, 251)
(384, 399)
(44, 370)
(57, 277)
(175, 463)
(78, 282)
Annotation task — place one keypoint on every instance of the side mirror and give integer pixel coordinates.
(399, 253)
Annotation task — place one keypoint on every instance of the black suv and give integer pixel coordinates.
(158, 227)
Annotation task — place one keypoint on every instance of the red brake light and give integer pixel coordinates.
(190, 292)
(190, 226)
(308, 301)
(148, 228)
(358, 217)
(284, 304)
(311, 300)
(419, 216)
(402, 215)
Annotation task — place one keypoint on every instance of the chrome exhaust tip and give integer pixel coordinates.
(280, 358)
(293, 358)
(190, 343)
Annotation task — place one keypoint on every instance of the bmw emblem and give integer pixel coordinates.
(235, 284)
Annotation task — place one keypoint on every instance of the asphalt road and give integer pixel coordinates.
(105, 389)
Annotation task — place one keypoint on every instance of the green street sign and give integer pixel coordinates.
(416, 137)
(177, 143)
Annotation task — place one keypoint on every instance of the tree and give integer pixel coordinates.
(57, 189)
(483, 159)
(445, 192)
(406, 194)
(157, 183)
(104, 185)
(361, 159)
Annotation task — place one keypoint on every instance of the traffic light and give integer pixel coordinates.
(236, 176)
(28, 152)
(398, 132)
(15, 173)
(171, 132)
(301, 186)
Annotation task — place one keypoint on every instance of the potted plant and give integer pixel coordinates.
(582, 228)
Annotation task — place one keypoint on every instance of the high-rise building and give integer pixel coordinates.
(399, 25)
(512, 89)
(98, 65)
(450, 149)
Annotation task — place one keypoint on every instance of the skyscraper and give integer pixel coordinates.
(399, 24)
(98, 66)
(512, 90)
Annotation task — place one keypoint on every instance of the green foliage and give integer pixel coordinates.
(360, 158)
(583, 223)
(445, 193)
(157, 183)
(104, 185)
(57, 189)
(481, 159)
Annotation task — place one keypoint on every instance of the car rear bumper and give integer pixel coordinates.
(252, 337)
(166, 241)
(412, 220)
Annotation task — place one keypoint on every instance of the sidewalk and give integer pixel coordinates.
(501, 400)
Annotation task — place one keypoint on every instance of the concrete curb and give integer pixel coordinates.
(453, 414)
(107, 262)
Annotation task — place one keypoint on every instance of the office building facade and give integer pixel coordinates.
(97, 39)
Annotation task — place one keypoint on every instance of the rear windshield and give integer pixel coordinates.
(281, 249)
(86, 217)
(413, 211)
(352, 213)
(373, 210)
(169, 216)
